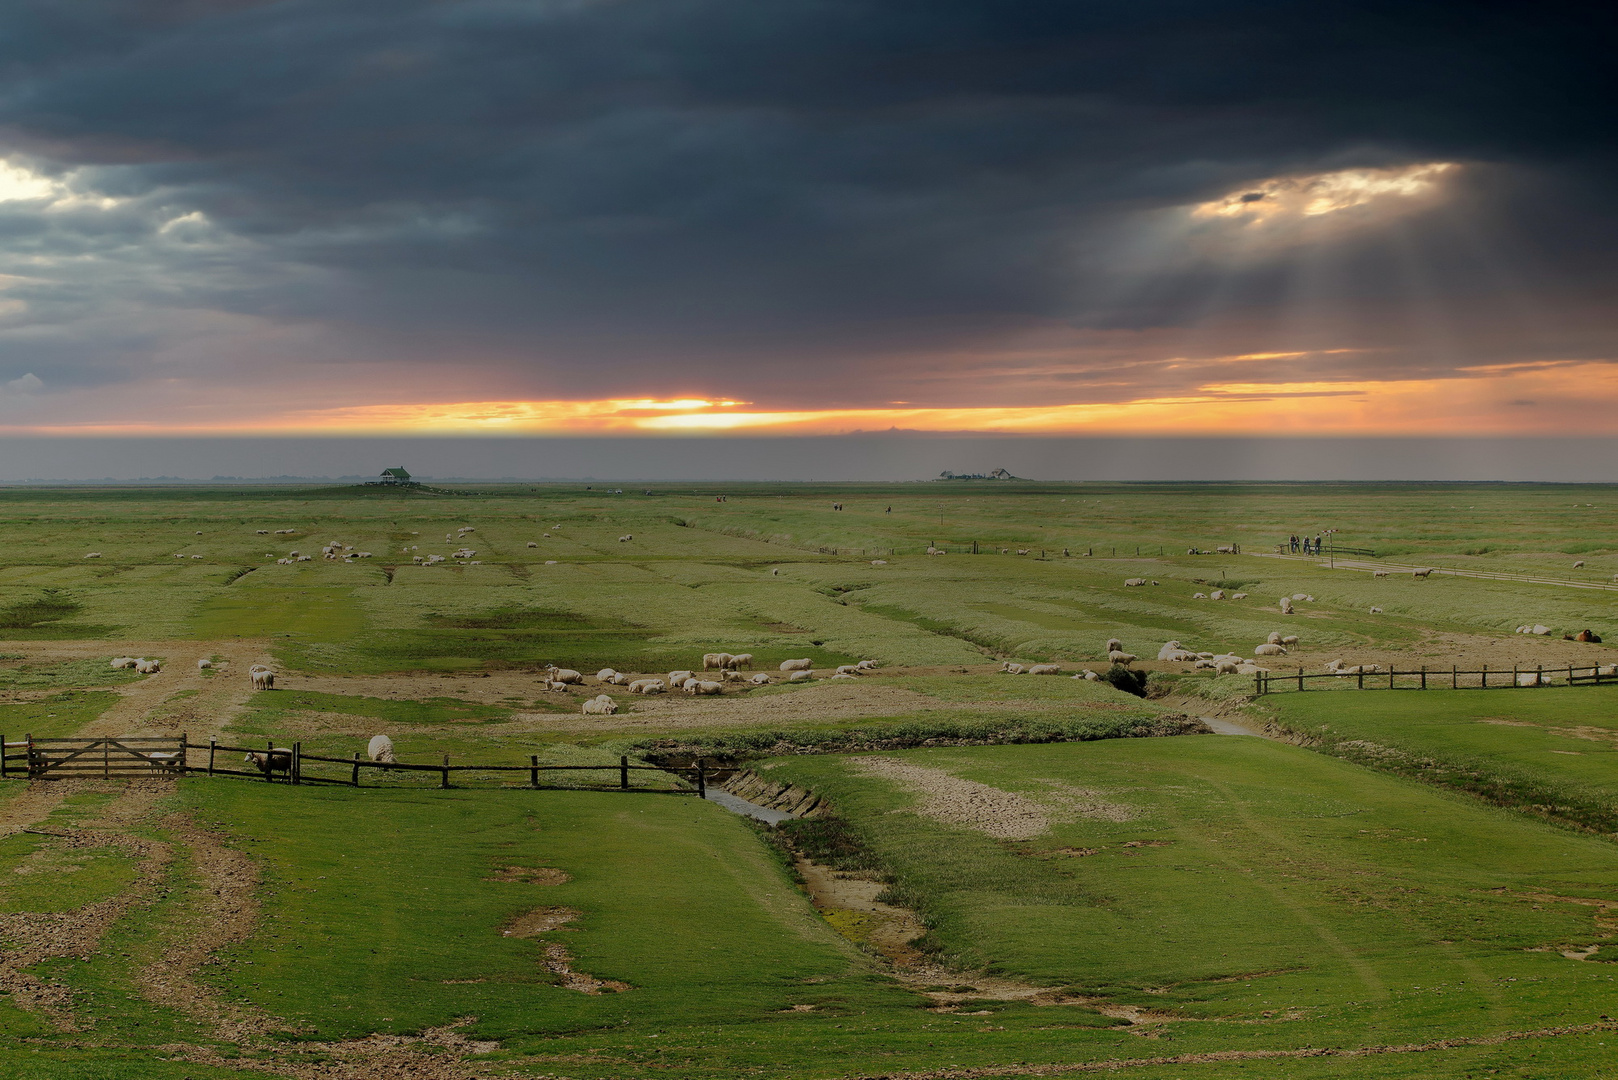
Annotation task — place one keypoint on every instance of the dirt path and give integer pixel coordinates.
(1004, 815)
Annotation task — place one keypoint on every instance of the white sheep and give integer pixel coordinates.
(1268, 649)
(1199, 596)
(702, 686)
(1113, 645)
(1577, 566)
(800, 676)
(1251, 669)
(803, 664)
(1532, 678)
(262, 678)
(1289, 640)
(1238, 596)
(1225, 667)
(600, 705)
(380, 748)
(1044, 669)
(1301, 596)
(564, 675)
(879, 562)
(719, 660)
(604, 674)
(1217, 594)
(1423, 572)
(1286, 605)
(847, 669)
(121, 662)
(1129, 583)
(842, 675)
(866, 665)
(204, 664)
(148, 667)
(533, 543)
(1118, 656)
(1379, 573)
(1008, 667)
(759, 678)
(742, 660)
(647, 686)
(1274, 638)
(678, 678)
(731, 675)
(1169, 649)
(97, 555)
(1376, 611)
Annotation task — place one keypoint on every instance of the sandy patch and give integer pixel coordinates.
(530, 875)
(539, 921)
(1004, 815)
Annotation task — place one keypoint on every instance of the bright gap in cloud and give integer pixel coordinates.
(1324, 193)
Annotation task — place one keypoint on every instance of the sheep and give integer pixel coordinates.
(702, 686)
(121, 662)
(879, 562)
(550, 562)
(1024, 551)
(274, 760)
(533, 543)
(1090, 676)
(1251, 669)
(742, 660)
(1540, 629)
(1274, 638)
(761, 678)
(841, 675)
(600, 705)
(1008, 667)
(715, 660)
(1113, 645)
(847, 669)
(870, 665)
(1577, 566)
(204, 664)
(1225, 667)
(97, 555)
(1118, 656)
(1379, 573)
(775, 571)
(604, 674)
(800, 676)
(148, 667)
(731, 675)
(1301, 596)
(1333, 665)
(1199, 596)
(797, 665)
(1290, 640)
(678, 678)
(380, 748)
(1532, 678)
(1270, 650)
(1217, 594)
(563, 675)
(1044, 669)
(626, 538)
(1286, 605)
(1376, 611)
(1129, 583)
(647, 686)
(262, 679)
(1168, 649)
(1423, 572)
(553, 686)
(1238, 596)
(261, 532)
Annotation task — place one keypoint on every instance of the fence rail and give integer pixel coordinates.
(1434, 678)
(145, 757)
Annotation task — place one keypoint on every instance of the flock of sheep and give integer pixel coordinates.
(728, 665)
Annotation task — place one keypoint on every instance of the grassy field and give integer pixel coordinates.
(1418, 877)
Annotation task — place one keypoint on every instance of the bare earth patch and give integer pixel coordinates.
(530, 875)
(1004, 815)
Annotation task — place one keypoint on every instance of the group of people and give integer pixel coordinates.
(1305, 545)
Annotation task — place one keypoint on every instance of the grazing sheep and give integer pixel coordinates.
(1274, 638)
(797, 665)
(761, 678)
(1423, 572)
(274, 760)
(742, 660)
(1118, 656)
(1128, 582)
(564, 675)
(1270, 650)
(1290, 639)
(600, 705)
(715, 660)
(1044, 669)
(204, 664)
(533, 543)
(262, 678)
(847, 669)
(626, 538)
(1379, 573)
(1238, 596)
(800, 676)
(380, 748)
(97, 555)
(1286, 605)
(702, 686)
(1217, 594)
(1225, 667)
(678, 678)
(148, 667)
(1113, 645)
(1577, 566)
(1376, 611)
(1012, 669)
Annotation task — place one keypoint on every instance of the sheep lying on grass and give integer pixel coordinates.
(600, 705)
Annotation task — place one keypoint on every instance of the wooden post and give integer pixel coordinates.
(1300, 676)
(28, 754)
(702, 781)
(355, 778)
(533, 770)
(1392, 671)
(1485, 674)
(106, 760)
(2, 756)
(213, 745)
(445, 774)
(1454, 677)
(1424, 676)
(1361, 678)
(623, 772)
(185, 744)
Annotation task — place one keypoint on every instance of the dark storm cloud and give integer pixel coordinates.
(725, 190)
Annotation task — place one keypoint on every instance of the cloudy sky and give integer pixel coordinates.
(700, 217)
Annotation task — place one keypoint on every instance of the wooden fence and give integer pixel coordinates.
(1453, 679)
(137, 758)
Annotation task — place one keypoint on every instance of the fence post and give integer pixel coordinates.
(1485, 674)
(213, 744)
(1454, 677)
(1392, 671)
(702, 781)
(444, 783)
(297, 763)
(106, 760)
(623, 772)
(533, 770)
(28, 754)
(2, 756)
(185, 744)
(1424, 676)
(1300, 676)
(1361, 678)
(1258, 684)
(354, 779)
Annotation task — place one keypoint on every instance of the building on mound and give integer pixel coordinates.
(395, 476)
(997, 474)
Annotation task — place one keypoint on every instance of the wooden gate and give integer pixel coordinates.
(121, 758)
